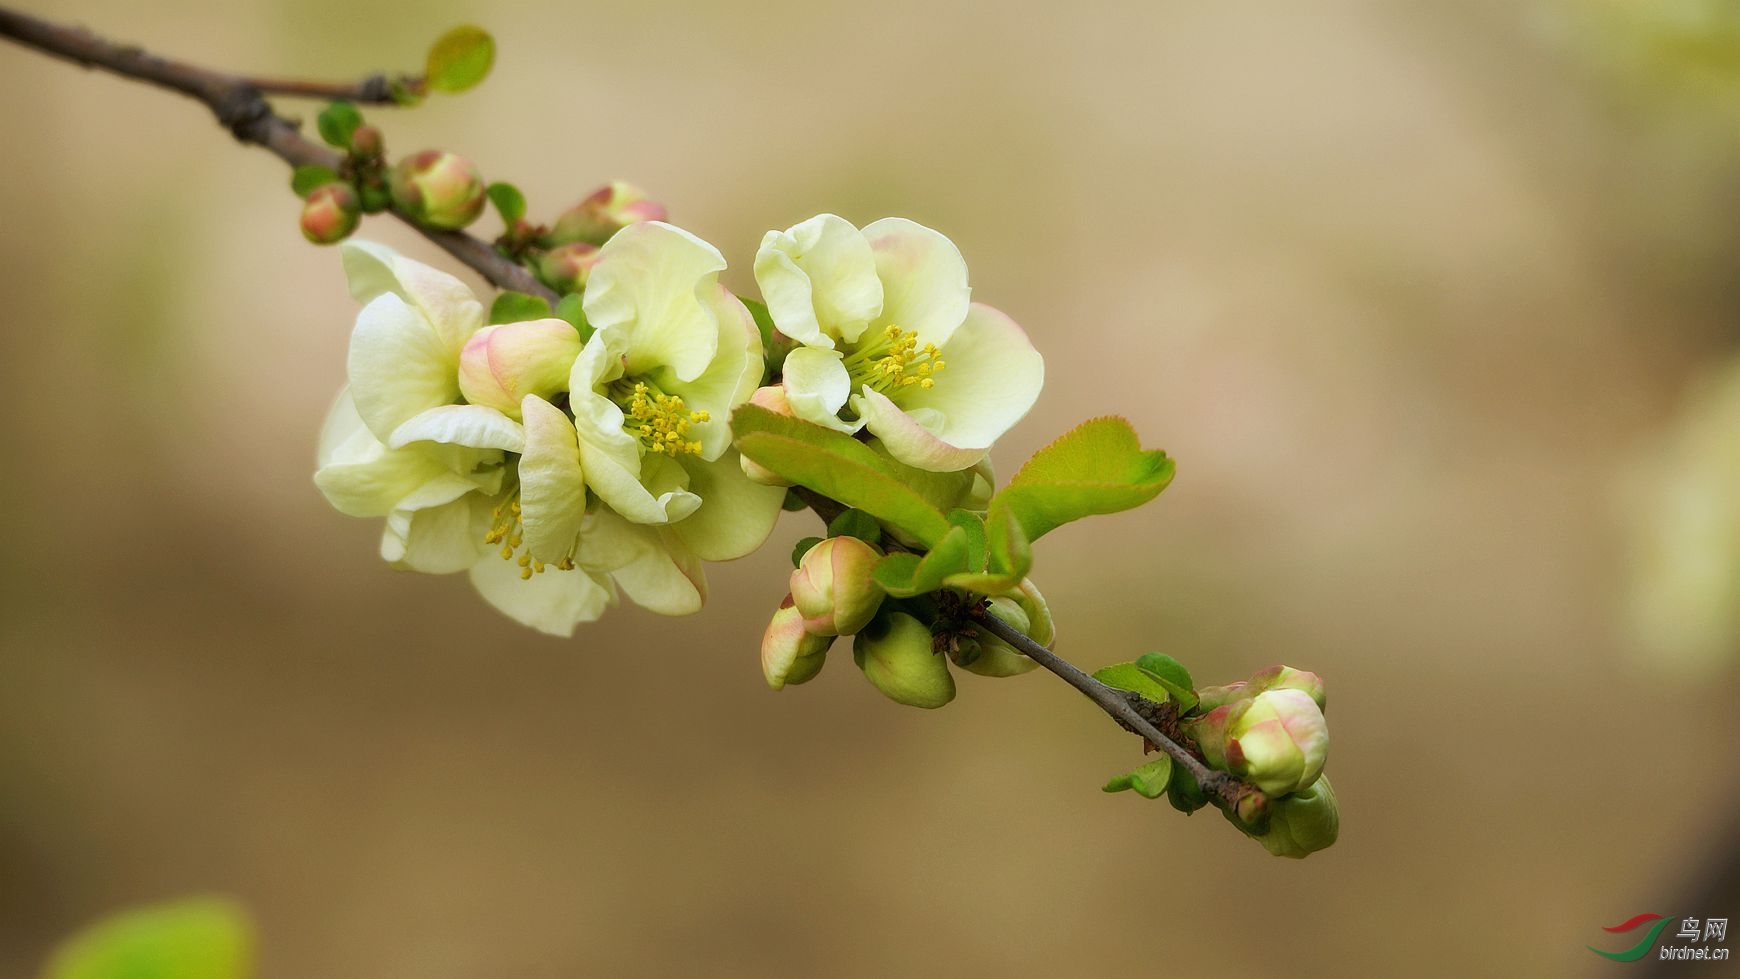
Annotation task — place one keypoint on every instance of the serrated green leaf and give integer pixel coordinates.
(1172, 675)
(945, 491)
(856, 523)
(802, 548)
(904, 578)
(517, 307)
(201, 938)
(1099, 467)
(459, 59)
(305, 178)
(508, 201)
(569, 308)
(841, 468)
(1149, 781)
(337, 122)
(1127, 676)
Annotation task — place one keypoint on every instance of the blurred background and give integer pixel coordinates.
(1436, 308)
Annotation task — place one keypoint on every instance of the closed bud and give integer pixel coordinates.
(607, 211)
(565, 268)
(502, 364)
(773, 399)
(789, 653)
(1302, 823)
(330, 213)
(438, 189)
(1287, 678)
(898, 657)
(1026, 611)
(366, 143)
(1279, 741)
(833, 588)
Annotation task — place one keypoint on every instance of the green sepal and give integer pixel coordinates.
(856, 523)
(517, 307)
(1149, 781)
(1129, 676)
(459, 59)
(569, 308)
(197, 938)
(305, 178)
(1098, 467)
(508, 201)
(802, 548)
(337, 122)
(844, 469)
(1172, 675)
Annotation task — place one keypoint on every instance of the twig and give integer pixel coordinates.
(377, 89)
(240, 106)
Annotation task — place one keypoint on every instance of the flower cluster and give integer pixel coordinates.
(563, 466)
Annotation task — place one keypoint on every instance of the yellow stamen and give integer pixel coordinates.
(663, 421)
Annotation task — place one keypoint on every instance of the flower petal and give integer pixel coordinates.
(735, 516)
(473, 426)
(361, 477)
(399, 366)
(650, 281)
(819, 280)
(615, 470)
(908, 440)
(993, 377)
(924, 279)
(553, 602)
(449, 306)
(729, 380)
(653, 568)
(438, 540)
(816, 386)
(552, 487)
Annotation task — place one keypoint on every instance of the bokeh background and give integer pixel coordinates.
(1431, 302)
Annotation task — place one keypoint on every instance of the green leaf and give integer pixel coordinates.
(763, 323)
(1172, 675)
(841, 468)
(974, 526)
(1128, 676)
(337, 122)
(793, 503)
(375, 198)
(1008, 560)
(569, 308)
(904, 575)
(200, 938)
(1099, 467)
(460, 59)
(305, 178)
(856, 523)
(802, 548)
(508, 201)
(516, 307)
(1149, 781)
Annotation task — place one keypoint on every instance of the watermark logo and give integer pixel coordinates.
(1702, 940)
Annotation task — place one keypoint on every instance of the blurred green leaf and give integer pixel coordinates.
(1149, 781)
(516, 307)
(197, 938)
(508, 201)
(856, 523)
(1099, 467)
(305, 178)
(460, 59)
(337, 122)
(1172, 675)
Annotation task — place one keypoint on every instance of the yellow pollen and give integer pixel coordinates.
(662, 421)
(894, 361)
(508, 529)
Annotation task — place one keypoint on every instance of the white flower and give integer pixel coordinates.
(880, 314)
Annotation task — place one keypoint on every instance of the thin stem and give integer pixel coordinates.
(241, 107)
(376, 89)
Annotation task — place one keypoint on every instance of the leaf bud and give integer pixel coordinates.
(438, 189)
(366, 143)
(789, 653)
(833, 589)
(608, 210)
(502, 364)
(565, 268)
(330, 213)
(898, 657)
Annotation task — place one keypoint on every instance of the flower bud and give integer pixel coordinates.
(330, 213)
(502, 364)
(897, 656)
(987, 655)
(366, 143)
(789, 653)
(1287, 678)
(565, 268)
(438, 189)
(1302, 823)
(1279, 741)
(608, 210)
(773, 399)
(833, 588)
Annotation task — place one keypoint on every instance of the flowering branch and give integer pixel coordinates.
(240, 106)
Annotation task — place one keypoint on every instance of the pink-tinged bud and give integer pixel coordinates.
(366, 143)
(789, 654)
(1279, 742)
(1025, 609)
(502, 364)
(438, 189)
(1302, 823)
(608, 210)
(773, 399)
(330, 213)
(899, 658)
(566, 268)
(1287, 678)
(833, 588)
(1214, 698)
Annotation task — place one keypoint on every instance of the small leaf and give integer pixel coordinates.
(516, 307)
(763, 322)
(1149, 781)
(1128, 676)
(337, 122)
(1099, 467)
(793, 503)
(905, 575)
(569, 308)
(460, 59)
(508, 201)
(1008, 561)
(305, 178)
(856, 523)
(802, 548)
(1172, 675)
(974, 526)
(200, 938)
(375, 198)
